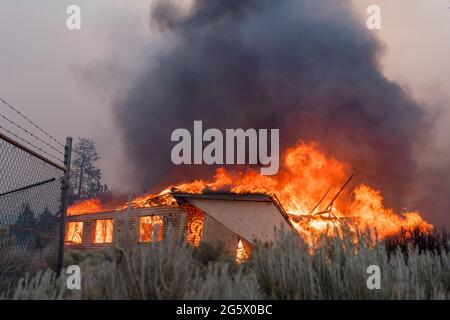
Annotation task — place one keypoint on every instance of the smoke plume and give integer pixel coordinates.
(307, 67)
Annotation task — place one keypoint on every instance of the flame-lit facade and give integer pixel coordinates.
(235, 221)
(140, 226)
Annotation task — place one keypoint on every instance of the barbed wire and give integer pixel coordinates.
(30, 121)
(30, 144)
(31, 134)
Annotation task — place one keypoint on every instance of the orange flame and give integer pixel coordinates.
(150, 229)
(74, 232)
(306, 173)
(103, 231)
(241, 254)
(86, 206)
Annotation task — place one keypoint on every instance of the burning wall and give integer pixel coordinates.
(100, 229)
(194, 225)
(233, 220)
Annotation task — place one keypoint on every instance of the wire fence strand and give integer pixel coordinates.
(33, 146)
(31, 122)
(30, 133)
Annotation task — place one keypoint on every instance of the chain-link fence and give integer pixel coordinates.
(30, 211)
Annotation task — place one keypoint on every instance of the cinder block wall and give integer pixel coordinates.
(193, 225)
(188, 223)
(126, 225)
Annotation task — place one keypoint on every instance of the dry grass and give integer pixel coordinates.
(17, 260)
(335, 270)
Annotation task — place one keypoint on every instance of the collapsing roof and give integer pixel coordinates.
(251, 216)
(237, 221)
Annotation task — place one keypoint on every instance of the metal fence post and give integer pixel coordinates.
(65, 185)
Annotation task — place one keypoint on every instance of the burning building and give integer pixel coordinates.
(312, 194)
(234, 220)
(339, 116)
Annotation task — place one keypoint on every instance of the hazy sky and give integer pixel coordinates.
(58, 77)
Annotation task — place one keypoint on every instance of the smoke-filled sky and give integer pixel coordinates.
(98, 82)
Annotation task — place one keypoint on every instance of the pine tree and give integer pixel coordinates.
(85, 175)
(23, 230)
(46, 226)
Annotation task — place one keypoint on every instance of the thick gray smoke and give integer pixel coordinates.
(308, 67)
